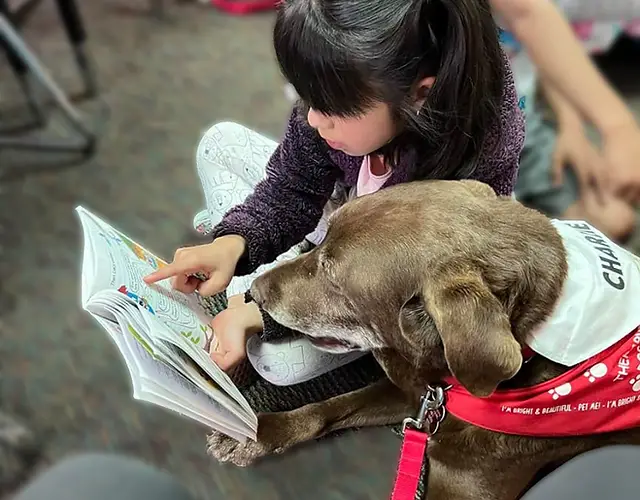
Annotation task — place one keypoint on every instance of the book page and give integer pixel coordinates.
(113, 329)
(192, 349)
(116, 263)
(155, 383)
(113, 270)
(172, 355)
(160, 384)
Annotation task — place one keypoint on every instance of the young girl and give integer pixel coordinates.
(390, 91)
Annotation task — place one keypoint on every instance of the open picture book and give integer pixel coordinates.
(163, 335)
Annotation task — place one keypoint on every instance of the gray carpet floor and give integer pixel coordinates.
(162, 83)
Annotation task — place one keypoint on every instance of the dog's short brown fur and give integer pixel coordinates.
(435, 278)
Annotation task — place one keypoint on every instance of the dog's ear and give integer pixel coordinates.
(479, 347)
(479, 189)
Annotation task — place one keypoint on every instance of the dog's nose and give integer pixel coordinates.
(257, 291)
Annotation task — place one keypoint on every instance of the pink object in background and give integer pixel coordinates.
(583, 29)
(633, 28)
(244, 7)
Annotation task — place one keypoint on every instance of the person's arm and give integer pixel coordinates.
(549, 39)
(565, 113)
(572, 147)
(287, 205)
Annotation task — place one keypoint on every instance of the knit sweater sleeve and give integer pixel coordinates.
(287, 205)
(498, 166)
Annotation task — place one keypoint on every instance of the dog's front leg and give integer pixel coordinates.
(381, 403)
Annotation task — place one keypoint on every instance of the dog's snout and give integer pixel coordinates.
(262, 291)
(256, 292)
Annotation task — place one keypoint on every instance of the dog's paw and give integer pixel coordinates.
(226, 449)
(19, 452)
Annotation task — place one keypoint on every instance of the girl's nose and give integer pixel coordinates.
(318, 120)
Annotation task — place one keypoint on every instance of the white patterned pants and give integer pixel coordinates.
(231, 160)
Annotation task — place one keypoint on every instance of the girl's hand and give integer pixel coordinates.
(232, 327)
(573, 149)
(216, 260)
(621, 150)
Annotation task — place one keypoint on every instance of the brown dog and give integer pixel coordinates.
(436, 278)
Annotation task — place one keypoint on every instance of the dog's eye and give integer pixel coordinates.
(323, 265)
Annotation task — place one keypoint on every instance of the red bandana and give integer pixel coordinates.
(600, 395)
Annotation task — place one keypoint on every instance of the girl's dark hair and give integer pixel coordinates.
(342, 56)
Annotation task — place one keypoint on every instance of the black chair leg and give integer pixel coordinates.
(77, 35)
(20, 69)
(38, 72)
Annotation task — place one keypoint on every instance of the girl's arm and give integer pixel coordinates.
(542, 29)
(287, 205)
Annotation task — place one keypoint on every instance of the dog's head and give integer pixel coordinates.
(443, 272)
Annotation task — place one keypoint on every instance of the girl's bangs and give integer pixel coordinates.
(321, 71)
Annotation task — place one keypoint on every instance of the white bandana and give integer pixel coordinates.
(600, 301)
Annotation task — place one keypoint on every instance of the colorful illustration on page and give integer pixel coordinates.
(143, 255)
(110, 239)
(139, 300)
(206, 333)
(134, 333)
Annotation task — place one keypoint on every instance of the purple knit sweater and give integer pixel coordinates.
(302, 172)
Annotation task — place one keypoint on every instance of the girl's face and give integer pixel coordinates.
(356, 136)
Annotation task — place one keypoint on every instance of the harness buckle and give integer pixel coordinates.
(431, 413)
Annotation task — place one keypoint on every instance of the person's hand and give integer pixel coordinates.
(574, 150)
(621, 151)
(231, 328)
(216, 260)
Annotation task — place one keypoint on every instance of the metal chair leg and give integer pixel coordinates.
(13, 40)
(77, 35)
(21, 71)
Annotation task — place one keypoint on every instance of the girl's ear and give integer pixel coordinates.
(422, 90)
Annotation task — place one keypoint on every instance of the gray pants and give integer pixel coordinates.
(593, 476)
(534, 186)
(606, 473)
(103, 477)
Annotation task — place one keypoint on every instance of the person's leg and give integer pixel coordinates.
(293, 361)
(103, 477)
(596, 475)
(534, 186)
(231, 160)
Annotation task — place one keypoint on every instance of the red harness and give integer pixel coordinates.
(600, 395)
